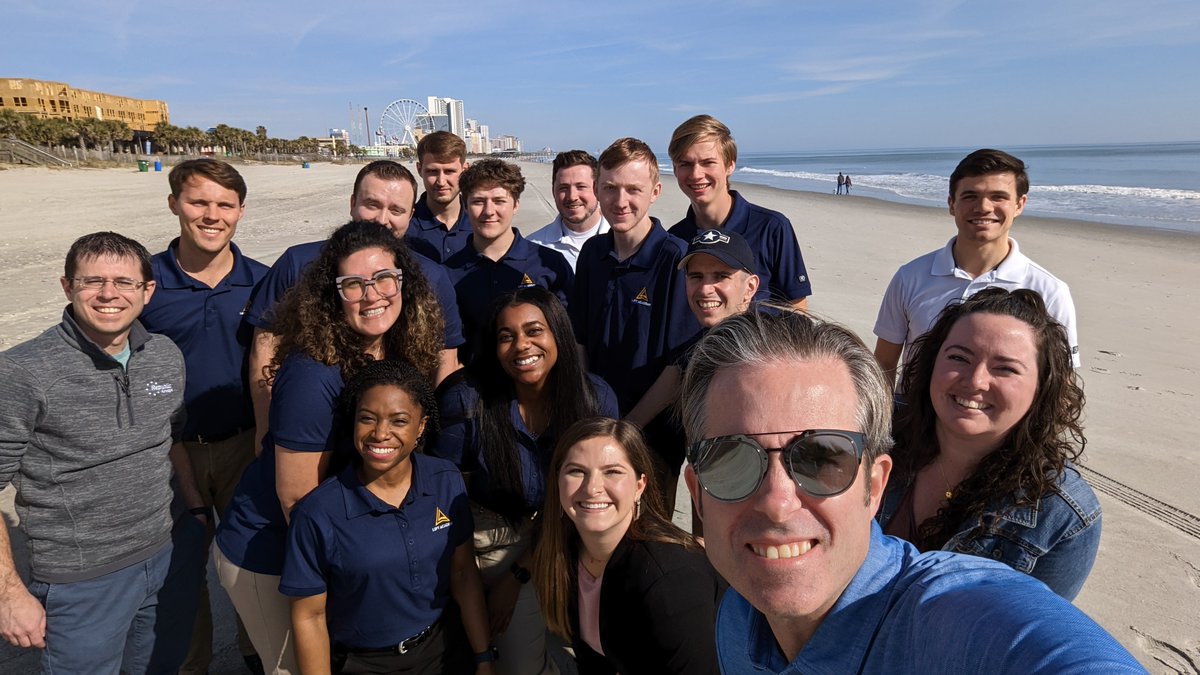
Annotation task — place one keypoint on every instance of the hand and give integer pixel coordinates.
(22, 619)
(501, 601)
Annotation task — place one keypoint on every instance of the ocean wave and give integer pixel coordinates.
(1119, 191)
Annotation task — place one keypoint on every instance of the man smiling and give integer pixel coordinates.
(788, 420)
(988, 191)
(574, 176)
(496, 258)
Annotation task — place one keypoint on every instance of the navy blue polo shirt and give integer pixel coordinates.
(631, 316)
(479, 280)
(771, 237)
(286, 272)
(458, 440)
(303, 399)
(206, 324)
(429, 237)
(385, 570)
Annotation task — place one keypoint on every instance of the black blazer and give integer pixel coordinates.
(658, 613)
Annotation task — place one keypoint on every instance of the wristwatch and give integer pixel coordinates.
(523, 576)
(492, 654)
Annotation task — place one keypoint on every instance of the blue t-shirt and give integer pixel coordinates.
(287, 270)
(429, 237)
(385, 570)
(631, 316)
(458, 441)
(207, 325)
(479, 280)
(908, 612)
(776, 251)
(303, 399)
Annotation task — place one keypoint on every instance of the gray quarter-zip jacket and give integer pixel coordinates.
(85, 442)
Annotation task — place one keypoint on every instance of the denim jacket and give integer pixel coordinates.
(1054, 540)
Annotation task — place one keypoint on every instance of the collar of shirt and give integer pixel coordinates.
(360, 501)
(646, 254)
(424, 219)
(172, 275)
(1013, 268)
(737, 220)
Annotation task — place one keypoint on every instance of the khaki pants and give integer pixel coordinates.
(217, 467)
(497, 546)
(265, 612)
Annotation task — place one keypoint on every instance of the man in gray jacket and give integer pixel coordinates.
(90, 412)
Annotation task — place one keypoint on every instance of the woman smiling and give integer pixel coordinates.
(985, 441)
(363, 299)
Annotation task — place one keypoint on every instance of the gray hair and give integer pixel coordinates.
(777, 335)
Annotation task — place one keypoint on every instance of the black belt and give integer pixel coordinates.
(403, 648)
(214, 438)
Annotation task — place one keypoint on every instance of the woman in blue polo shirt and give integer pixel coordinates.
(615, 578)
(985, 439)
(375, 553)
(525, 386)
(361, 300)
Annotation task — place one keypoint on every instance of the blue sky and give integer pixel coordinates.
(786, 75)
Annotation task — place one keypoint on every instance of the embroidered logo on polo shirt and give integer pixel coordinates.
(440, 520)
(642, 298)
(526, 282)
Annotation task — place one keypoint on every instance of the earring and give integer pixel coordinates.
(637, 509)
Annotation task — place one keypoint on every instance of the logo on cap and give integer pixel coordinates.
(711, 237)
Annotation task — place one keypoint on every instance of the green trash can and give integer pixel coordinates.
(143, 165)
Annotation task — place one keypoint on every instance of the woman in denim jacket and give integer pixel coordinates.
(985, 436)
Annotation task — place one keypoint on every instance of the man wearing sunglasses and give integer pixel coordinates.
(787, 467)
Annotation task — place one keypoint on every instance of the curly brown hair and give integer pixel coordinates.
(310, 319)
(1032, 457)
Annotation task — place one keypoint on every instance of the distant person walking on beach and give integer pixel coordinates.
(848, 183)
(988, 191)
(203, 284)
(703, 157)
(439, 223)
(91, 414)
(573, 179)
(841, 182)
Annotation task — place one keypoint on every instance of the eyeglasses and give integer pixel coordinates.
(823, 462)
(123, 284)
(354, 288)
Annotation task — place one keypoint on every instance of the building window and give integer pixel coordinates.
(20, 102)
(64, 106)
(1, 101)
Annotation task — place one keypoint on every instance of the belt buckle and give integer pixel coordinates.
(413, 641)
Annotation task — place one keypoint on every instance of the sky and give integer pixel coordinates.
(789, 75)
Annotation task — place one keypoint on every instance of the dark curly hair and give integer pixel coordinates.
(310, 319)
(1034, 454)
(568, 392)
(384, 373)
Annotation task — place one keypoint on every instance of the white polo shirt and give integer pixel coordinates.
(560, 238)
(922, 288)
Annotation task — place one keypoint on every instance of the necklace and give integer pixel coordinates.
(949, 488)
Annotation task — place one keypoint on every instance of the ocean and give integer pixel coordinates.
(1145, 184)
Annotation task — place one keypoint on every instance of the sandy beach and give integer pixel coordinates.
(1137, 301)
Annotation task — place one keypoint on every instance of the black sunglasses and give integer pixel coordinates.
(823, 462)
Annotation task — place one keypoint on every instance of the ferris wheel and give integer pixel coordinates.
(404, 122)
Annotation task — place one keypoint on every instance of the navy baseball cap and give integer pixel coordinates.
(728, 247)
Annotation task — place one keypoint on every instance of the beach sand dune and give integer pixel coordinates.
(1136, 296)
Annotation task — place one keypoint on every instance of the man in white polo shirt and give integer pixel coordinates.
(988, 190)
(579, 219)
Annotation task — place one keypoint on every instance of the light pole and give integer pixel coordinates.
(368, 121)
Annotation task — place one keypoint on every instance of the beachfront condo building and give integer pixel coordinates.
(59, 100)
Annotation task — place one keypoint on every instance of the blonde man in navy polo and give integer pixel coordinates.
(203, 286)
(496, 258)
(703, 157)
(629, 309)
